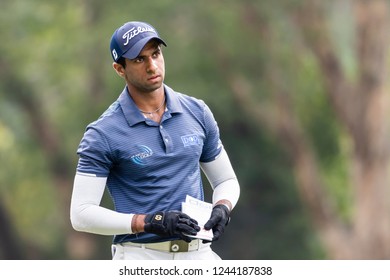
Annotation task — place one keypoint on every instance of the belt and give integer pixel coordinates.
(174, 246)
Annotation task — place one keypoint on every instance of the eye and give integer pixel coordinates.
(138, 59)
(157, 53)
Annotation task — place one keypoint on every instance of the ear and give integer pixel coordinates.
(119, 69)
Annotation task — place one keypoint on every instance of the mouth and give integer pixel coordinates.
(154, 78)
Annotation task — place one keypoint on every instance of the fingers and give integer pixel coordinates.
(186, 226)
(188, 221)
(218, 231)
(214, 219)
(183, 216)
(182, 228)
(216, 222)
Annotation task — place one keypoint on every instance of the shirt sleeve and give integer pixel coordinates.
(94, 152)
(212, 145)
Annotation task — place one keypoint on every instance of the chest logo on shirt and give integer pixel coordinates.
(144, 152)
(190, 140)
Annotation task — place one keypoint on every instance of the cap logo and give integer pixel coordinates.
(114, 54)
(134, 32)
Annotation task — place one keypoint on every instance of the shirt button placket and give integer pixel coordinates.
(166, 139)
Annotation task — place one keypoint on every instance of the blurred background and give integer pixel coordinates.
(299, 88)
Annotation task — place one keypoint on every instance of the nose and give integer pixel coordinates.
(152, 65)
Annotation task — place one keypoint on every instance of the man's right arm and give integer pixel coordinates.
(87, 215)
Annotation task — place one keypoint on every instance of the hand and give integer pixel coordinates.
(218, 221)
(171, 223)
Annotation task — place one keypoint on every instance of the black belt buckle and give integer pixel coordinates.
(178, 246)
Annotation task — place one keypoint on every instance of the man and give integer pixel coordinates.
(148, 149)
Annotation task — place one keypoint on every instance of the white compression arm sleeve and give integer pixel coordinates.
(87, 215)
(222, 179)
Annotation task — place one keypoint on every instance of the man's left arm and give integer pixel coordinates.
(223, 180)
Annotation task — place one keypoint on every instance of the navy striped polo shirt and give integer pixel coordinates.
(150, 166)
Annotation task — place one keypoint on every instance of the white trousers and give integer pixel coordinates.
(128, 252)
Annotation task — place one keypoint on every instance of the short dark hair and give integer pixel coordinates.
(122, 61)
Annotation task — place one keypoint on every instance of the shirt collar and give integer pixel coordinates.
(132, 113)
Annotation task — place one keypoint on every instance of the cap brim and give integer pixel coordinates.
(137, 48)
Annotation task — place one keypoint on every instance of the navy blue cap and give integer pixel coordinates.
(129, 39)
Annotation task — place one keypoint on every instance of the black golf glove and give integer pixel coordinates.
(219, 219)
(171, 223)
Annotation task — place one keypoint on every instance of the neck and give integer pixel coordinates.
(160, 107)
(147, 101)
(150, 104)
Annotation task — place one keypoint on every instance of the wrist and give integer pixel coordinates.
(225, 202)
(138, 223)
